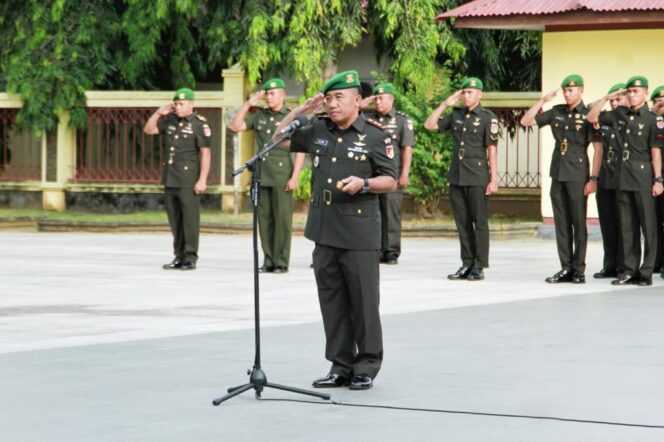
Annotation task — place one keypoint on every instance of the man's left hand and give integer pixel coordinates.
(403, 182)
(491, 188)
(352, 185)
(200, 187)
(291, 184)
(590, 187)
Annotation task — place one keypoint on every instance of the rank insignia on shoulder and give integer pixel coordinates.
(374, 123)
(494, 126)
(206, 130)
(201, 117)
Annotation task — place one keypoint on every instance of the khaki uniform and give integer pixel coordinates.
(345, 230)
(569, 174)
(183, 140)
(472, 133)
(400, 128)
(275, 205)
(636, 205)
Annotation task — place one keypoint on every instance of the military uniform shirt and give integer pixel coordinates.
(638, 133)
(338, 219)
(472, 133)
(609, 136)
(572, 133)
(277, 164)
(183, 139)
(400, 128)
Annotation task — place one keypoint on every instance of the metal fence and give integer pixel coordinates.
(518, 151)
(114, 148)
(20, 151)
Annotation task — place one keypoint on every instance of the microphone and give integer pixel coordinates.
(300, 120)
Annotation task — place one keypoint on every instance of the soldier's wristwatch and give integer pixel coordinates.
(365, 187)
(594, 178)
(659, 179)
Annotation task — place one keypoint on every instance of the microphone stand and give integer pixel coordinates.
(257, 379)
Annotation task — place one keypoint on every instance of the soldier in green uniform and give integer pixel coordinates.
(570, 182)
(186, 162)
(640, 178)
(607, 188)
(473, 173)
(657, 98)
(400, 127)
(352, 163)
(278, 177)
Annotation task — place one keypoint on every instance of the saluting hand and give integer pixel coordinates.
(453, 99)
(551, 95)
(313, 104)
(255, 100)
(366, 103)
(166, 109)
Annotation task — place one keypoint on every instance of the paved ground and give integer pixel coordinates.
(98, 343)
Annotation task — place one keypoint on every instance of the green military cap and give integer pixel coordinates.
(572, 80)
(637, 81)
(616, 87)
(184, 93)
(383, 88)
(274, 83)
(657, 93)
(472, 83)
(344, 80)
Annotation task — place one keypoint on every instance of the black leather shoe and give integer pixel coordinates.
(281, 269)
(561, 276)
(332, 380)
(188, 265)
(382, 259)
(606, 273)
(477, 274)
(625, 278)
(462, 273)
(361, 382)
(265, 269)
(578, 278)
(645, 281)
(173, 265)
(392, 260)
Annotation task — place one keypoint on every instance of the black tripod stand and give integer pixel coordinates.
(257, 378)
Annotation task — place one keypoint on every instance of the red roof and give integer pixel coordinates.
(489, 8)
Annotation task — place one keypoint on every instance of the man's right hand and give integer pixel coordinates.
(166, 109)
(551, 95)
(453, 99)
(255, 100)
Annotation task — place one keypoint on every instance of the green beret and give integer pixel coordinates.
(616, 87)
(637, 81)
(383, 88)
(657, 93)
(472, 83)
(274, 83)
(572, 80)
(344, 80)
(184, 93)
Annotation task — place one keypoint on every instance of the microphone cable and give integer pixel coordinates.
(470, 413)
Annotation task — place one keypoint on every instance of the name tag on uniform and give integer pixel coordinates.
(560, 118)
(321, 142)
(187, 131)
(172, 127)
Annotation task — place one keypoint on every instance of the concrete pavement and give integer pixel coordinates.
(97, 342)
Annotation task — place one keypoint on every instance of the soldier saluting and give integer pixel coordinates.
(352, 163)
(473, 173)
(570, 182)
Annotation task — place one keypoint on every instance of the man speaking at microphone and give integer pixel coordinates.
(352, 162)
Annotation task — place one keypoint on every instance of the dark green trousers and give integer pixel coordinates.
(659, 259)
(638, 216)
(275, 224)
(348, 292)
(569, 216)
(607, 209)
(471, 215)
(390, 219)
(183, 208)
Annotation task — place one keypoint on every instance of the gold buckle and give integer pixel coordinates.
(462, 151)
(563, 147)
(327, 196)
(625, 155)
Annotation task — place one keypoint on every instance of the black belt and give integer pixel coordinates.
(628, 155)
(461, 154)
(329, 197)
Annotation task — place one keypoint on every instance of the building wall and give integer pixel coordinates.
(602, 58)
